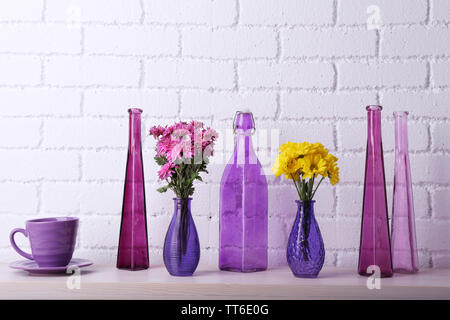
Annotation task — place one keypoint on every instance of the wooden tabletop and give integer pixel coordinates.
(107, 282)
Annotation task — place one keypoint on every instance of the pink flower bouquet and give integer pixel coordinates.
(183, 152)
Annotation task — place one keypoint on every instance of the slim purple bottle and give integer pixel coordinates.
(133, 242)
(375, 246)
(404, 246)
(243, 205)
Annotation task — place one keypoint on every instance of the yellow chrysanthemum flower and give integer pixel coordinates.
(333, 173)
(314, 165)
(303, 161)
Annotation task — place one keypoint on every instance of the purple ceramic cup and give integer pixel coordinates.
(52, 240)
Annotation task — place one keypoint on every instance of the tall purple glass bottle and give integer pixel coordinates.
(243, 205)
(133, 242)
(404, 246)
(375, 246)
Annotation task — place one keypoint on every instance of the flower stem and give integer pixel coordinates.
(317, 187)
(296, 187)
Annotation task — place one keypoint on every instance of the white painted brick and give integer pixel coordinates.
(278, 232)
(157, 203)
(20, 70)
(348, 259)
(281, 12)
(353, 135)
(104, 165)
(116, 102)
(441, 70)
(441, 10)
(441, 260)
(32, 38)
(431, 235)
(189, 73)
(340, 234)
(431, 168)
(213, 241)
(415, 41)
(200, 205)
(229, 43)
(20, 133)
(325, 200)
(390, 11)
(351, 167)
(441, 203)
(38, 102)
(134, 40)
(19, 198)
(311, 132)
(361, 75)
(421, 201)
(73, 11)
(441, 136)
(24, 165)
(88, 198)
(316, 105)
(80, 133)
(99, 232)
(157, 229)
(328, 43)
(418, 104)
(61, 198)
(224, 105)
(282, 201)
(21, 10)
(217, 12)
(286, 75)
(109, 71)
(349, 203)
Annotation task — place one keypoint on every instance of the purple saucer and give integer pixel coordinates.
(32, 267)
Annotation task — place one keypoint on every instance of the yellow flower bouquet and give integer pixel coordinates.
(303, 163)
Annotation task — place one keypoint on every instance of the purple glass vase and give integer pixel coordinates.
(375, 246)
(404, 246)
(243, 205)
(182, 246)
(305, 250)
(133, 242)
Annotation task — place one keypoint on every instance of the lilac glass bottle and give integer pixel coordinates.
(133, 242)
(375, 246)
(181, 246)
(243, 205)
(404, 245)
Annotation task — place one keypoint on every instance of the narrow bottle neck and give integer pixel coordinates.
(305, 208)
(243, 151)
(374, 127)
(182, 206)
(401, 133)
(135, 130)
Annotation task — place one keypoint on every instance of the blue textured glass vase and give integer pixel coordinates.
(305, 250)
(181, 246)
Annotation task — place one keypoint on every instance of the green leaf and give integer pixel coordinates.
(160, 161)
(163, 189)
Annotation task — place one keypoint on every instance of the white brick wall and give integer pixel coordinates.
(70, 69)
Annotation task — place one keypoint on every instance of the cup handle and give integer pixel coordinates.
(14, 245)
